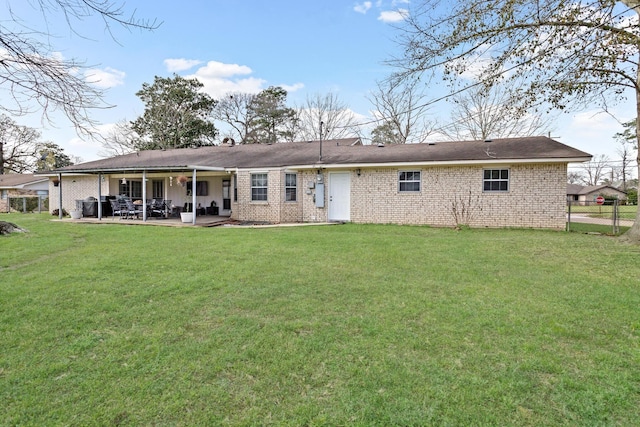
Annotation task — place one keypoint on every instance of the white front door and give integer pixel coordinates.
(339, 196)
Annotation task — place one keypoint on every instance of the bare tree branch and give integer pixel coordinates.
(33, 77)
(338, 121)
(399, 105)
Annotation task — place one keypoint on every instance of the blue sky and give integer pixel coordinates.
(307, 47)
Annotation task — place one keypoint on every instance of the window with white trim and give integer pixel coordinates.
(409, 181)
(495, 180)
(259, 187)
(290, 187)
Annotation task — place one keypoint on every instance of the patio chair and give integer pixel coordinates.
(132, 210)
(116, 208)
(156, 207)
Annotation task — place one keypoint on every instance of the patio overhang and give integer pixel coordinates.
(133, 169)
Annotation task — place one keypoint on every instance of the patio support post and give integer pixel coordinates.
(100, 197)
(193, 197)
(144, 195)
(60, 196)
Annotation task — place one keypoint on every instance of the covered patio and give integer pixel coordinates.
(202, 193)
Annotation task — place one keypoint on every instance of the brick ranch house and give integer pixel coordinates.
(514, 182)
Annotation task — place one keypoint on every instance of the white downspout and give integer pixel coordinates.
(99, 197)
(60, 196)
(144, 195)
(193, 197)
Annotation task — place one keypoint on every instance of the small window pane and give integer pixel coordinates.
(290, 184)
(259, 187)
(496, 180)
(409, 181)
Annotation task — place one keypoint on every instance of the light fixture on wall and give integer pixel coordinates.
(170, 181)
(358, 172)
(124, 181)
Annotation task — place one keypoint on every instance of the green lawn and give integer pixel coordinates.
(580, 227)
(330, 325)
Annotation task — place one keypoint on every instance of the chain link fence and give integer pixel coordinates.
(608, 213)
(27, 204)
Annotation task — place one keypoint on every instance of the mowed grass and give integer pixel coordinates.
(320, 325)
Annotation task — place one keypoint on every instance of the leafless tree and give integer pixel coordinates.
(338, 121)
(234, 110)
(33, 77)
(480, 113)
(401, 110)
(120, 139)
(575, 177)
(594, 172)
(18, 146)
(626, 150)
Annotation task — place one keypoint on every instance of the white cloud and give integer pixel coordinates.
(592, 131)
(393, 15)
(83, 149)
(180, 64)
(292, 88)
(219, 79)
(217, 88)
(362, 7)
(105, 78)
(215, 69)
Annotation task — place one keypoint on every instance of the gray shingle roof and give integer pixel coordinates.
(17, 180)
(336, 153)
(588, 189)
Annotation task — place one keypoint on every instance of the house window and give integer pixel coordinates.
(409, 181)
(5, 194)
(131, 189)
(157, 189)
(496, 180)
(235, 188)
(290, 187)
(259, 187)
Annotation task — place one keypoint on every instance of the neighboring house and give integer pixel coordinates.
(515, 182)
(582, 194)
(21, 185)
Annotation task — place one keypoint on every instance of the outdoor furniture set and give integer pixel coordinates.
(126, 208)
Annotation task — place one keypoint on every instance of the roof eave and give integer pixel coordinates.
(132, 169)
(437, 163)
